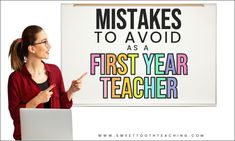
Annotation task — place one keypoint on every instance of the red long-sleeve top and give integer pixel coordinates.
(22, 88)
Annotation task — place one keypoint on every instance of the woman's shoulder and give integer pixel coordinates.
(52, 67)
(15, 75)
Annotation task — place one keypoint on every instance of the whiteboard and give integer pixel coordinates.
(140, 54)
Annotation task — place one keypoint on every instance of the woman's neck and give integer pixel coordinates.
(35, 66)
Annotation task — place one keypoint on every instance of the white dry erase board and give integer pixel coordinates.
(140, 54)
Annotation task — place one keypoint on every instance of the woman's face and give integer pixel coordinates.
(41, 46)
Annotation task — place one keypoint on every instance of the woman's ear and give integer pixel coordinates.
(31, 49)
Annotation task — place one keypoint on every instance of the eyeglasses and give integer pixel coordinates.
(46, 43)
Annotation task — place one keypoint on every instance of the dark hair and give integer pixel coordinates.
(19, 47)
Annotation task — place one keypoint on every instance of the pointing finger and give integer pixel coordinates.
(51, 87)
(82, 76)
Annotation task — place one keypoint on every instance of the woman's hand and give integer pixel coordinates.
(75, 86)
(43, 97)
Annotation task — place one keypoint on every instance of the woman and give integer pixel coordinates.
(34, 83)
